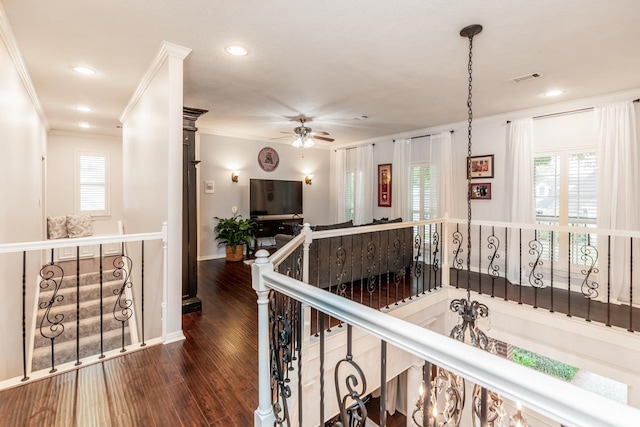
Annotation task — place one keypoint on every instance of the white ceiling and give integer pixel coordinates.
(402, 64)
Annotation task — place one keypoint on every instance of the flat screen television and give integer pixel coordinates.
(274, 197)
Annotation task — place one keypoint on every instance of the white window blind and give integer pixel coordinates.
(92, 183)
(420, 192)
(565, 194)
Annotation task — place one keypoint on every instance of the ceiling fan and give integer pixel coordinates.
(305, 135)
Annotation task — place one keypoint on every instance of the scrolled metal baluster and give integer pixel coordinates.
(493, 270)
(397, 268)
(371, 270)
(436, 261)
(51, 327)
(589, 255)
(458, 263)
(299, 266)
(281, 357)
(356, 384)
(535, 278)
(341, 258)
(122, 310)
(417, 244)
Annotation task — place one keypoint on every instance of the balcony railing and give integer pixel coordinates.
(506, 261)
(63, 311)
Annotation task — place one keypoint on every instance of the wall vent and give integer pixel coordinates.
(526, 77)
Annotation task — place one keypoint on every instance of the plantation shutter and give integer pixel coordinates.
(582, 188)
(92, 171)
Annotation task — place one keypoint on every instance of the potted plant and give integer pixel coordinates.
(234, 232)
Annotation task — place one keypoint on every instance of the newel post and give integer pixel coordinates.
(263, 416)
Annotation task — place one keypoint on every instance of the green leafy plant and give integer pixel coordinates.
(544, 364)
(234, 231)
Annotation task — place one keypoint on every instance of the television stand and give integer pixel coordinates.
(271, 227)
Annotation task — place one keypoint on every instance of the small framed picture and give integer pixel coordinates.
(480, 191)
(384, 185)
(480, 167)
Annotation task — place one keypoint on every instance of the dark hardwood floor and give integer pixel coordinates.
(209, 379)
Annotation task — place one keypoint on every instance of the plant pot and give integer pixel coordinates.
(237, 255)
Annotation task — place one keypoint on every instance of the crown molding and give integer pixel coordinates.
(6, 35)
(166, 50)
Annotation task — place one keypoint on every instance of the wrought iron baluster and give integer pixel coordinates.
(589, 254)
(299, 351)
(458, 263)
(122, 308)
(397, 268)
(551, 256)
(142, 291)
(51, 326)
(630, 284)
(101, 269)
(480, 259)
(371, 268)
(493, 270)
(417, 268)
(436, 258)
(506, 264)
(431, 262)
(78, 362)
(383, 383)
(356, 388)
(24, 315)
(280, 346)
(388, 276)
(322, 368)
(609, 280)
(569, 277)
(535, 278)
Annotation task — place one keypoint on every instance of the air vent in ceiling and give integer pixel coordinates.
(526, 77)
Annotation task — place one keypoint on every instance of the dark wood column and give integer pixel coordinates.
(190, 300)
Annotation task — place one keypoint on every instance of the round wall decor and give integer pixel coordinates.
(268, 159)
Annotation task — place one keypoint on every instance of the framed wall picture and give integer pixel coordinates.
(384, 185)
(481, 167)
(480, 191)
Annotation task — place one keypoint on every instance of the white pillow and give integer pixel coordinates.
(79, 225)
(57, 227)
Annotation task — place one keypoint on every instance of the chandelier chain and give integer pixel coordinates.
(469, 120)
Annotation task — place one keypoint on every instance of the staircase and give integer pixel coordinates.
(63, 315)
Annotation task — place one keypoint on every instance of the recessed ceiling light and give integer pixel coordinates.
(554, 92)
(84, 70)
(83, 108)
(84, 125)
(236, 50)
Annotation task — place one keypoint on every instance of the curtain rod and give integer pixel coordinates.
(421, 136)
(354, 147)
(562, 113)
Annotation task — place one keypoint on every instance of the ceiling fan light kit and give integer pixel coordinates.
(305, 136)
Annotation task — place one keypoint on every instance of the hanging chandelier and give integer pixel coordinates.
(446, 397)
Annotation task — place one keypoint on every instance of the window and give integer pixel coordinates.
(349, 195)
(565, 194)
(92, 185)
(421, 193)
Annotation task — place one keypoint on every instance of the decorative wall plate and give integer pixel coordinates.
(268, 159)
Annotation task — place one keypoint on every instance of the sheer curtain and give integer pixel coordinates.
(340, 164)
(617, 189)
(364, 187)
(521, 206)
(441, 175)
(400, 180)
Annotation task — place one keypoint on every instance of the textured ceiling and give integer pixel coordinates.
(402, 64)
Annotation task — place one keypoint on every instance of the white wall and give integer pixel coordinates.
(61, 170)
(22, 150)
(152, 182)
(490, 137)
(220, 155)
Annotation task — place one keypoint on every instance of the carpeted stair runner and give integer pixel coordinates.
(65, 346)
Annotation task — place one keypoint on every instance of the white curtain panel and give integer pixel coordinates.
(521, 206)
(618, 193)
(364, 188)
(400, 179)
(339, 214)
(442, 175)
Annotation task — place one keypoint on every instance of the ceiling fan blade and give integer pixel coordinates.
(289, 133)
(320, 133)
(322, 138)
(280, 137)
